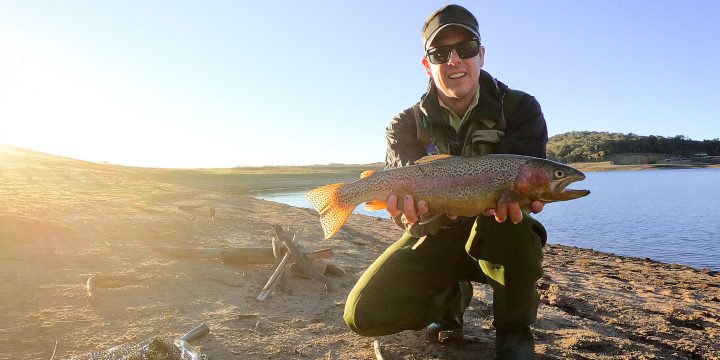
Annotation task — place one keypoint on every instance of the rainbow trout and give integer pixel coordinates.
(466, 186)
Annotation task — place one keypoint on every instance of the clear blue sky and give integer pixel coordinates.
(221, 84)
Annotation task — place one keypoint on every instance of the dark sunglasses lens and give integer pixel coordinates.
(439, 55)
(468, 49)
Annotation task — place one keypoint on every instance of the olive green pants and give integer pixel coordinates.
(416, 281)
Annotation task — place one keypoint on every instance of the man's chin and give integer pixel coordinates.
(458, 90)
(458, 93)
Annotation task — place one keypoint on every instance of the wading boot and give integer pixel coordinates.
(452, 305)
(514, 344)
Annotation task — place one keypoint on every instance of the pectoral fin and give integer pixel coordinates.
(375, 205)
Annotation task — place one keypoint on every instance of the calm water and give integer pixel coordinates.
(667, 215)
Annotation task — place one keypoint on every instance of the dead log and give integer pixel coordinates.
(109, 281)
(189, 208)
(237, 256)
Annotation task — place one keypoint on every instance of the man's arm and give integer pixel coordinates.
(526, 132)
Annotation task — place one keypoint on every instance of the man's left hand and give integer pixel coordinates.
(512, 209)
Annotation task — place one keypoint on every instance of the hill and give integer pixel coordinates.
(593, 146)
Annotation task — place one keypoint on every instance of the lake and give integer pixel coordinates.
(668, 215)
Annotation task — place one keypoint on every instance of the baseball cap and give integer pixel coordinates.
(448, 15)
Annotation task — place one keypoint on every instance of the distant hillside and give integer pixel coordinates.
(15, 161)
(592, 146)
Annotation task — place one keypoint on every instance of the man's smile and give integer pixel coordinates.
(457, 75)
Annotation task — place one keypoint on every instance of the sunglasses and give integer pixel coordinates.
(465, 49)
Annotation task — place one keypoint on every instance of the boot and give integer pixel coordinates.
(452, 304)
(514, 344)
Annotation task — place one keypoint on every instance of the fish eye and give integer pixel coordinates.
(558, 173)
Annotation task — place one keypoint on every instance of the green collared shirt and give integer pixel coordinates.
(453, 119)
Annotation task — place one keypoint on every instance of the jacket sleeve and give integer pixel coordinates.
(403, 146)
(526, 132)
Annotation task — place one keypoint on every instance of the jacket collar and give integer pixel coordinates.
(489, 102)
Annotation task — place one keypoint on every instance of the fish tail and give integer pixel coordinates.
(334, 210)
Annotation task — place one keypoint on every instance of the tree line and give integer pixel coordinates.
(591, 146)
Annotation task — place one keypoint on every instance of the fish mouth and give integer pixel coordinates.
(569, 194)
(560, 193)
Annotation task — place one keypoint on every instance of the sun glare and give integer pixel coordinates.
(61, 103)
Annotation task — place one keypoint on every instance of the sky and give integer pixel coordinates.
(203, 84)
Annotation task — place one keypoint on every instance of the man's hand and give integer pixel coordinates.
(505, 208)
(412, 213)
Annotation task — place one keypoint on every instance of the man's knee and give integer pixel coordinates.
(508, 244)
(357, 319)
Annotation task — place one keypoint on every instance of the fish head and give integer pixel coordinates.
(547, 181)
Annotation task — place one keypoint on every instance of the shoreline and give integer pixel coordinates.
(609, 166)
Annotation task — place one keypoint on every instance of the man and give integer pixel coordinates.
(423, 281)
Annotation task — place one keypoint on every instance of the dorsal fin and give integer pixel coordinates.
(366, 173)
(431, 158)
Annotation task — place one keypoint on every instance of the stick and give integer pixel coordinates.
(376, 347)
(266, 289)
(279, 252)
(279, 234)
(55, 349)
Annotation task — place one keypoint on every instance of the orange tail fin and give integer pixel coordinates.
(334, 212)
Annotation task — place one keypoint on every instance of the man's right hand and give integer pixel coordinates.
(412, 213)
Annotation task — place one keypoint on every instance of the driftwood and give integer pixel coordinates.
(300, 259)
(108, 281)
(238, 256)
(321, 265)
(292, 254)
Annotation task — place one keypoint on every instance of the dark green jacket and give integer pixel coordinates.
(520, 121)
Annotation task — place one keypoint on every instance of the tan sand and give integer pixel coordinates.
(62, 221)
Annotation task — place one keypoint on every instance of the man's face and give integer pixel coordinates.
(457, 78)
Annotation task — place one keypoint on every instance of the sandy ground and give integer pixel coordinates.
(62, 221)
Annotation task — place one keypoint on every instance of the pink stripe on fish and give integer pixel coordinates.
(451, 182)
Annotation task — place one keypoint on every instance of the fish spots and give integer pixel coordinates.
(461, 181)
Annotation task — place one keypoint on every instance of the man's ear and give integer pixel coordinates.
(426, 64)
(482, 56)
